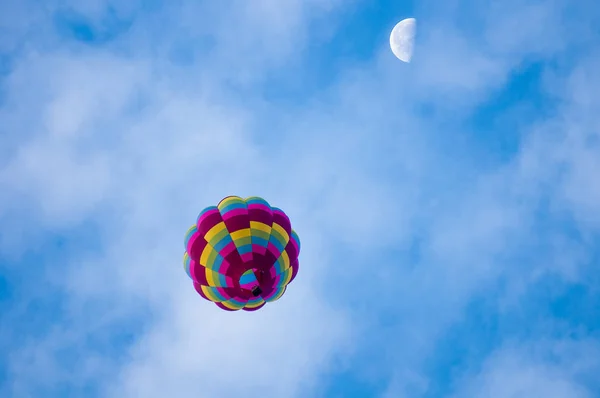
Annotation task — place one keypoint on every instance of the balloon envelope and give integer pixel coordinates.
(242, 253)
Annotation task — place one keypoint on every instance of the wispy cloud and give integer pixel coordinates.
(424, 240)
(544, 368)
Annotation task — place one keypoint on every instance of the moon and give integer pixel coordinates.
(402, 39)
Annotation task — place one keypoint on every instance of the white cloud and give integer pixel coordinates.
(545, 369)
(113, 139)
(122, 138)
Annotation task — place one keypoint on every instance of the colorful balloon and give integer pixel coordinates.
(242, 253)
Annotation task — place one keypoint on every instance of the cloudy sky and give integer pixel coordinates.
(448, 209)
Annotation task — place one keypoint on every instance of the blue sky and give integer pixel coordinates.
(449, 209)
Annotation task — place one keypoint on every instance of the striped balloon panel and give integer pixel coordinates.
(238, 246)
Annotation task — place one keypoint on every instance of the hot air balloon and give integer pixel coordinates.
(242, 253)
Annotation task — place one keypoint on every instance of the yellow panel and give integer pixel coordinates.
(206, 253)
(282, 232)
(214, 230)
(260, 226)
(242, 233)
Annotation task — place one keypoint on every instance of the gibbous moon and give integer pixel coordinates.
(402, 39)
